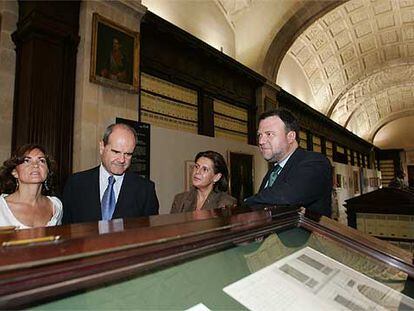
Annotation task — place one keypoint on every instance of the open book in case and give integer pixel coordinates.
(272, 258)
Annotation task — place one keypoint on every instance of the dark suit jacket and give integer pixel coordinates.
(81, 200)
(305, 180)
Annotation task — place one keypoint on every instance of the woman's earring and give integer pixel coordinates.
(17, 184)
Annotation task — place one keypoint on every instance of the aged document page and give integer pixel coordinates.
(309, 280)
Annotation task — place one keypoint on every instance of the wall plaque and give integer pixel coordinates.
(141, 159)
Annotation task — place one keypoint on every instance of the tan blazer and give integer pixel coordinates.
(187, 201)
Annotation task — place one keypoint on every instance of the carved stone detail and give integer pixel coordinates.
(358, 62)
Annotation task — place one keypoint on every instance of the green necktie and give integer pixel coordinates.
(273, 175)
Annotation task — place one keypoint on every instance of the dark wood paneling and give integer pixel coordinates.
(381, 201)
(46, 45)
(323, 145)
(338, 156)
(172, 54)
(391, 154)
(410, 171)
(84, 257)
(309, 141)
(205, 115)
(353, 160)
(252, 125)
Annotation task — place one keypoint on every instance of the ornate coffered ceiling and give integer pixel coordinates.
(359, 62)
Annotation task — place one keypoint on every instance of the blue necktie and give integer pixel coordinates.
(108, 200)
(273, 175)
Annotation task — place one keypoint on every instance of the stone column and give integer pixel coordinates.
(8, 20)
(97, 106)
(46, 40)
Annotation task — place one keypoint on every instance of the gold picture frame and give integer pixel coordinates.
(114, 55)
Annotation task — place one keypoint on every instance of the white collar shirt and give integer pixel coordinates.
(281, 164)
(284, 161)
(103, 182)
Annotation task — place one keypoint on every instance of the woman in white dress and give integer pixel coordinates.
(26, 187)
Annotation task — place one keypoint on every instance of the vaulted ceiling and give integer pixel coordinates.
(359, 62)
(356, 56)
(353, 60)
(234, 9)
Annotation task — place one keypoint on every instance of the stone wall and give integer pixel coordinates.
(8, 20)
(97, 106)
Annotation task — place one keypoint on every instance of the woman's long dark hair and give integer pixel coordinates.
(220, 166)
(8, 183)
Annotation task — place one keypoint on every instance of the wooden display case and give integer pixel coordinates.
(172, 261)
(386, 213)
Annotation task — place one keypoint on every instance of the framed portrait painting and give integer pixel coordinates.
(114, 55)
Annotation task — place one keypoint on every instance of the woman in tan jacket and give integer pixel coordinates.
(210, 184)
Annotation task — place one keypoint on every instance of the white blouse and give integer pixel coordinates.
(8, 219)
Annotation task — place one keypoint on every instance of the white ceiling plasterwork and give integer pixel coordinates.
(371, 99)
(359, 62)
(233, 9)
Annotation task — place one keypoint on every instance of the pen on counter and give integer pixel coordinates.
(7, 229)
(50, 238)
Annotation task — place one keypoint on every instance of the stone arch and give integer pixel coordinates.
(389, 119)
(305, 16)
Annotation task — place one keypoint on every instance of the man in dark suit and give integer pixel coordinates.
(297, 177)
(108, 191)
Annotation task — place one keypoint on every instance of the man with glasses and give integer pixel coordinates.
(297, 177)
(108, 191)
